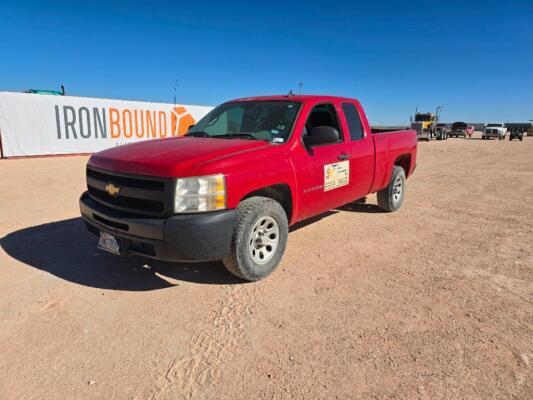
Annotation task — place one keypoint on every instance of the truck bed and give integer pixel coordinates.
(391, 146)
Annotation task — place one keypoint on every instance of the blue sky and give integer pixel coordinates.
(474, 58)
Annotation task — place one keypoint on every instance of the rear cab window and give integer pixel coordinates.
(353, 120)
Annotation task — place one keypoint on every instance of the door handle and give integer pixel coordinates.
(342, 156)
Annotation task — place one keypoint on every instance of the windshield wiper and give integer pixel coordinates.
(197, 134)
(236, 136)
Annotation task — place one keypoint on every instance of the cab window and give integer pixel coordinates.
(354, 122)
(322, 115)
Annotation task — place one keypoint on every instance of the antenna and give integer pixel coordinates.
(300, 87)
(175, 87)
(438, 113)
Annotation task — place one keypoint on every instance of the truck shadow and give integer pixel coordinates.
(361, 208)
(355, 206)
(67, 250)
(312, 220)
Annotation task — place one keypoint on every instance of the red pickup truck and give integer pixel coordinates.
(231, 187)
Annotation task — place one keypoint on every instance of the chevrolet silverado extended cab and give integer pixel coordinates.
(231, 187)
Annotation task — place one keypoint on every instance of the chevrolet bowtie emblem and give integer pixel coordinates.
(111, 189)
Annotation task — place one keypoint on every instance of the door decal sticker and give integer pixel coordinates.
(336, 175)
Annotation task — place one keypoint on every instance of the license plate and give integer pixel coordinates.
(108, 243)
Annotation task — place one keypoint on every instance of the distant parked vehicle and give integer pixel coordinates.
(441, 133)
(517, 130)
(516, 133)
(494, 130)
(424, 125)
(461, 129)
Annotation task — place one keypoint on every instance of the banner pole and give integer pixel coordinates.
(1, 148)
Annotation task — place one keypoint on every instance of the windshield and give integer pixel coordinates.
(494, 125)
(260, 120)
(423, 117)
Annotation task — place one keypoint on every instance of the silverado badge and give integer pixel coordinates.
(112, 190)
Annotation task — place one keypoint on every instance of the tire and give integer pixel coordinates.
(388, 198)
(258, 219)
(520, 138)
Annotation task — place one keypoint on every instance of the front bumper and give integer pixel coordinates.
(493, 135)
(187, 237)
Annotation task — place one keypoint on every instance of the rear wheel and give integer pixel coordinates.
(391, 198)
(259, 238)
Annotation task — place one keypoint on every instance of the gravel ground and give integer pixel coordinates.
(431, 302)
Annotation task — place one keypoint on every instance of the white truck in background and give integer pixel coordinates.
(494, 130)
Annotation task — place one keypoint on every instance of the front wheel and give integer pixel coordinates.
(259, 238)
(391, 198)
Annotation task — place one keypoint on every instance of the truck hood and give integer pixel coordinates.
(172, 157)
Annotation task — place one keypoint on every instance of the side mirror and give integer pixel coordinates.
(321, 135)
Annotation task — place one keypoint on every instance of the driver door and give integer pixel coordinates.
(324, 170)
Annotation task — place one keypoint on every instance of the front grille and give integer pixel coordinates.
(127, 181)
(123, 202)
(138, 194)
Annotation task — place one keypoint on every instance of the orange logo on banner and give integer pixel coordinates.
(180, 121)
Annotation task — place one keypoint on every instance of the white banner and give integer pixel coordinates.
(35, 124)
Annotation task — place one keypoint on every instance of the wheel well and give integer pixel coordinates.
(281, 193)
(404, 161)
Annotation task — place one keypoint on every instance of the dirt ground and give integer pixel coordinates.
(432, 302)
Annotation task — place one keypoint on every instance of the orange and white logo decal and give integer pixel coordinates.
(180, 121)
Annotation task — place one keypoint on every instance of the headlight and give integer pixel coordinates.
(199, 194)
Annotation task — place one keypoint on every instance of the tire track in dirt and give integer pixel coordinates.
(188, 375)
